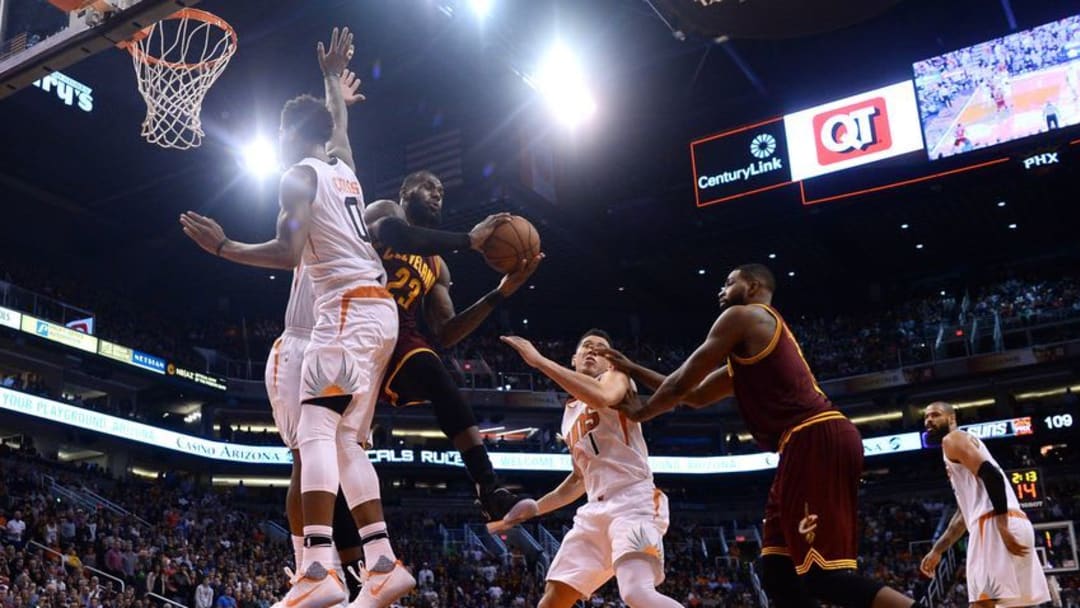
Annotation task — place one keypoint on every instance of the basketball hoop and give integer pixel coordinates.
(176, 62)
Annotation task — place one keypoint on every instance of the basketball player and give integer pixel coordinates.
(619, 531)
(421, 284)
(1002, 569)
(809, 537)
(321, 226)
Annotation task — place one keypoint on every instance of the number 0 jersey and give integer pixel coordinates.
(338, 253)
(607, 447)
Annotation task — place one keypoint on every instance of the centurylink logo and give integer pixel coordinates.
(762, 147)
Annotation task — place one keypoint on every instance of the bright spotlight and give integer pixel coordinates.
(481, 8)
(562, 83)
(260, 158)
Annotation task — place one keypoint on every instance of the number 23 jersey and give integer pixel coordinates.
(338, 253)
(608, 448)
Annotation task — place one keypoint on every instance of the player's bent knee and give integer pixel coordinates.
(558, 595)
(452, 412)
(336, 403)
(841, 587)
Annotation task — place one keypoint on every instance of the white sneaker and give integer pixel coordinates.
(380, 589)
(316, 588)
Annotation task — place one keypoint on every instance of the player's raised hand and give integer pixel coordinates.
(510, 283)
(928, 565)
(350, 87)
(1014, 546)
(528, 352)
(204, 231)
(482, 231)
(333, 60)
(618, 360)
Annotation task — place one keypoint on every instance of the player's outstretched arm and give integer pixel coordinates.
(715, 387)
(386, 223)
(956, 529)
(644, 376)
(339, 82)
(726, 332)
(606, 391)
(450, 327)
(285, 249)
(571, 489)
(961, 447)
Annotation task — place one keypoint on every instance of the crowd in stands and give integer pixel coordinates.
(904, 333)
(206, 548)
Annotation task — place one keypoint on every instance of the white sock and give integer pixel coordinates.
(323, 553)
(378, 554)
(298, 551)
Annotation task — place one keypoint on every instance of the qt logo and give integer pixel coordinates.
(852, 131)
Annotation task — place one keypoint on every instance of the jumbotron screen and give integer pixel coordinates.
(1004, 89)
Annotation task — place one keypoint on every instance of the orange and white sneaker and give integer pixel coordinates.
(380, 589)
(315, 588)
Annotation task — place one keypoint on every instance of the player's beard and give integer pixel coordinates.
(936, 434)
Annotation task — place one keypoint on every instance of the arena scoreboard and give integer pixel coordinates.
(1027, 483)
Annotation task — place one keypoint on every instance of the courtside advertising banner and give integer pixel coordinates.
(853, 131)
(10, 318)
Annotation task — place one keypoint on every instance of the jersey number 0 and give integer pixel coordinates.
(356, 215)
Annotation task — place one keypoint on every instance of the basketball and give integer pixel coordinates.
(511, 242)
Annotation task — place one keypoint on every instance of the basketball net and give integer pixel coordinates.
(176, 62)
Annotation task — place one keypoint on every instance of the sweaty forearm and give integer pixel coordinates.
(271, 254)
(466, 322)
(646, 377)
(952, 534)
(400, 236)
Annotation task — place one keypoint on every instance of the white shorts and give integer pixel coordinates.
(354, 336)
(995, 574)
(282, 379)
(633, 521)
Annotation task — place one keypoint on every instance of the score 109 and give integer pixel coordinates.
(1057, 422)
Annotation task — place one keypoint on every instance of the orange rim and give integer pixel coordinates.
(186, 13)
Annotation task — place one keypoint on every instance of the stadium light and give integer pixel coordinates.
(1012, 226)
(562, 83)
(919, 246)
(791, 273)
(260, 158)
(772, 256)
(904, 226)
(1001, 203)
(481, 8)
(701, 271)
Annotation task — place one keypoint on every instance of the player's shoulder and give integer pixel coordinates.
(382, 209)
(299, 180)
(959, 439)
(614, 375)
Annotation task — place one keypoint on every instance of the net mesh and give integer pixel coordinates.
(176, 62)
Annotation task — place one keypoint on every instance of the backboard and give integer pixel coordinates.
(38, 38)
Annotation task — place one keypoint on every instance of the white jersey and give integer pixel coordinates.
(300, 311)
(607, 447)
(971, 496)
(338, 253)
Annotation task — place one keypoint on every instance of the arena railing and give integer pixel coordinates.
(43, 307)
(165, 600)
(123, 587)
